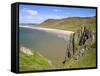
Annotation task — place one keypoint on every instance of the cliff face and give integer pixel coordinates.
(69, 21)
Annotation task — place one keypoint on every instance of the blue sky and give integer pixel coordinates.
(38, 14)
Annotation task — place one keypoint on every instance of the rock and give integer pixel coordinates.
(26, 51)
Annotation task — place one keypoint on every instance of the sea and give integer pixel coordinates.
(51, 45)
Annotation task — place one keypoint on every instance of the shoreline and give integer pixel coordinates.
(57, 31)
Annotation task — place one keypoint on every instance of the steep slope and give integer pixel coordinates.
(86, 60)
(32, 60)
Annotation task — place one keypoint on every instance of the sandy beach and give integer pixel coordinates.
(56, 31)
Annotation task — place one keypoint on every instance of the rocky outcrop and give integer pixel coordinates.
(26, 51)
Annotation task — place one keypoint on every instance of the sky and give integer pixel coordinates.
(36, 14)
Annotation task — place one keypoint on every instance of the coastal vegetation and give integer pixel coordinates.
(34, 61)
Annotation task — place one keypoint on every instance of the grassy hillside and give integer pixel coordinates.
(71, 24)
(33, 62)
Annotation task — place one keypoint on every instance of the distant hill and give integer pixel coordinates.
(69, 21)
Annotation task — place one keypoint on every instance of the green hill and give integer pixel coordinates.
(71, 23)
(33, 62)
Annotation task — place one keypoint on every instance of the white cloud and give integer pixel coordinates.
(29, 11)
(57, 10)
(32, 12)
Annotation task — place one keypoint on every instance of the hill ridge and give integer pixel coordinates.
(69, 21)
